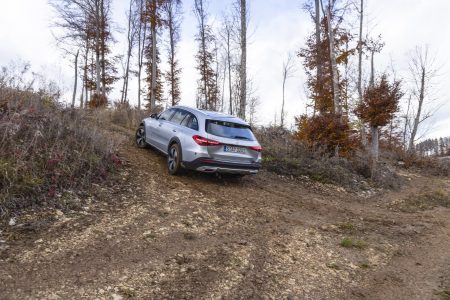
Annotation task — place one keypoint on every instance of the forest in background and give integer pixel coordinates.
(354, 127)
(351, 105)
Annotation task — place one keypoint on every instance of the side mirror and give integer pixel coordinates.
(154, 116)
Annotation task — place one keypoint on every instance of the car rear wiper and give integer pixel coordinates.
(240, 137)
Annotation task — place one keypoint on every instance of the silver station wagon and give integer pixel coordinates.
(201, 140)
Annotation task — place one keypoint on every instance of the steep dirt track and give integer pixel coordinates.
(200, 237)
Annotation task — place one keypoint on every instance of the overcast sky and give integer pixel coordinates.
(277, 27)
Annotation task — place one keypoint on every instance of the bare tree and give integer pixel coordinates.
(423, 70)
(288, 70)
(373, 46)
(131, 38)
(252, 109)
(226, 33)
(97, 45)
(317, 32)
(152, 52)
(359, 84)
(72, 23)
(153, 24)
(172, 16)
(141, 36)
(207, 90)
(333, 64)
(406, 124)
(75, 80)
(243, 65)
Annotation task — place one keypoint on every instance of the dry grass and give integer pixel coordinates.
(46, 150)
(286, 156)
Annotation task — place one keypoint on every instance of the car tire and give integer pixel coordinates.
(174, 159)
(140, 137)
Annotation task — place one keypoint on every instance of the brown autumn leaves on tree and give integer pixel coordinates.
(378, 107)
(334, 121)
(329, 127)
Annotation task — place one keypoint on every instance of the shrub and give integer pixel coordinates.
(46, 149)
(285, 155)
(126, 116)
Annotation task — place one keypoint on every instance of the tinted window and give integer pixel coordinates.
(166, 114)
(190, 121)
(178, 116)
(229, 130)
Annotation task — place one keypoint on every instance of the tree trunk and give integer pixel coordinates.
(223, 87)
(76, 79)
(230, 84)
(85, 88)
(130, 47)
(171, 25)
(243, 66)
(372, 69)
(419, 111)
(360, 92)
(97, 46)
(172, 65)
(216, 79)
(405, 127)
(102, 39)
(142, 38)
(319, 64)
(82, 96)
(153, 79)
(282, 104)
(203, 38)
(374, 151)
(334, 71)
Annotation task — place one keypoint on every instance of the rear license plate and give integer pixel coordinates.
(233, 149)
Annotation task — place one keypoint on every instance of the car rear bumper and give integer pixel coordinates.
(212, 166)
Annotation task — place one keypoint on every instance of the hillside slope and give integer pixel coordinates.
(155, 236)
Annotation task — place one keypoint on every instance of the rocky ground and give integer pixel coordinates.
(153, 236)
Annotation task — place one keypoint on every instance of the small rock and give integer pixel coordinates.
(116, 297)
(38, 241)
(12, 222)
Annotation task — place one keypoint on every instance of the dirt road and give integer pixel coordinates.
(153, 236)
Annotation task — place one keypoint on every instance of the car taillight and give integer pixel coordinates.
(256, 148)
(204, 141)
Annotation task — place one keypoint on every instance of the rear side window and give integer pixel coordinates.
(178, 116)
(166, 114)
(229, 130)
(190, 121)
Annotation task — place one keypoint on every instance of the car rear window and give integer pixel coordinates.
(229, 130)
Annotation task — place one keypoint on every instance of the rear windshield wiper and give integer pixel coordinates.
(240, 137)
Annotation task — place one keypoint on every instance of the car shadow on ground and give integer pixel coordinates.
(211, 178)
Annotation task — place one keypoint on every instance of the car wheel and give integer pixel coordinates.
(140, 137)
(174, 160)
